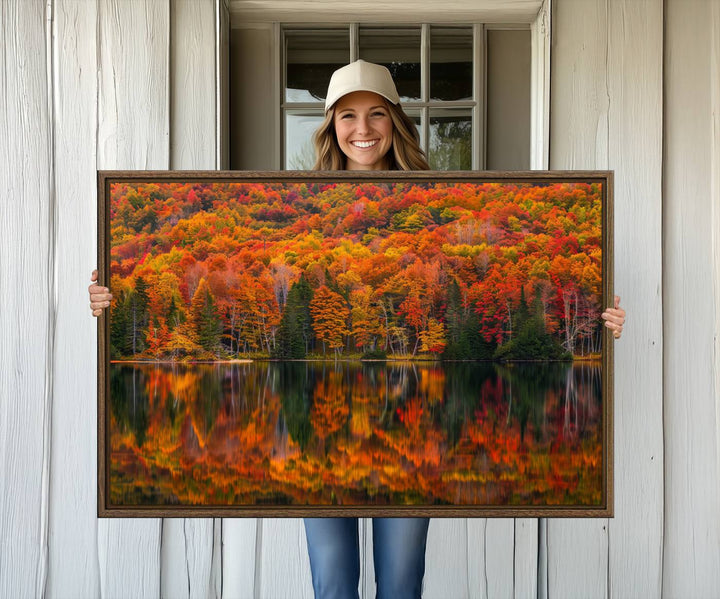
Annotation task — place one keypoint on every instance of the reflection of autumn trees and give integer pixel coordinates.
(438, 269)
(330, 409)
(298, 432)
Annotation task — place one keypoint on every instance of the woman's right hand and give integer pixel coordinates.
(99, 296)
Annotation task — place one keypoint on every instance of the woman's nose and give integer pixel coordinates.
(363, 125)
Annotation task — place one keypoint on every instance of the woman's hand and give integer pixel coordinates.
(99, 296)
(615, 318)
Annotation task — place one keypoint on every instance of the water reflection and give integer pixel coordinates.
(356, 433)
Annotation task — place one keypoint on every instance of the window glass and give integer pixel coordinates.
(415, 117)
(450, 146)
(508, 100)
(399, 50)
(299, 129)
(311, 57)
(451, 63)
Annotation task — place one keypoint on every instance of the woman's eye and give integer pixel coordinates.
(378, 113)
(347, 115)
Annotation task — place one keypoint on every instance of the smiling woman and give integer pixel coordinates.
(363, 107)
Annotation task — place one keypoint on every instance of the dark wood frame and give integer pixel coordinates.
(605, 510)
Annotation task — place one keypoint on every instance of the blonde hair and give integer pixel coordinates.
(405, 154)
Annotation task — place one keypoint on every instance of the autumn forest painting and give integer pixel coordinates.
(332, 342)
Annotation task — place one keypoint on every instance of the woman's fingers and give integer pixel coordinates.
(98, 304)
(99, 296)
(615, 318)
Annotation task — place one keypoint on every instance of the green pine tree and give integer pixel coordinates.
(295, 332)
(208, 326)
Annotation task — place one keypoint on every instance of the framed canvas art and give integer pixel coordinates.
(355, 344)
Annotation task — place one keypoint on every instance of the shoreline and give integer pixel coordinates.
(583, 359)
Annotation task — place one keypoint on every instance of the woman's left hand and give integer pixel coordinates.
(615, 318)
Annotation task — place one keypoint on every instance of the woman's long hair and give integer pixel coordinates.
(405, 154)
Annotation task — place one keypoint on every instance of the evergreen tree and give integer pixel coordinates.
(206, 320)
(532, 341)
(130, 322)
(295, 332)
(175, 315)
(523, 311)
(464, 341)
(118, 328)
(138, 316)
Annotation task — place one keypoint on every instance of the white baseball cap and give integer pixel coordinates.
(361, 76)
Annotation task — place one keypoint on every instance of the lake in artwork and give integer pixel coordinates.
(356, 433)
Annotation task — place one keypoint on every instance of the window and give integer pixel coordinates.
(468, 88)
(439, 71)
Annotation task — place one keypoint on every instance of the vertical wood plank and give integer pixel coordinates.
(579, 100)
(133, 130)
(635, 88)
(577, 550)
(491, 549)
(500, 556)
(283, 566)
(186, 557)
(692, 397)
(447, 559)
(715, 193)
(239, 558)
(26, 306)
(73, 563)
(133, 126)
(525, 575)
(193, 85)
(476, 562)
(187, 544)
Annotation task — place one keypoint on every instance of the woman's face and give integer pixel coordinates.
(364, 130)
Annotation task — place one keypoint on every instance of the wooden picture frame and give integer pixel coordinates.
(355, 344)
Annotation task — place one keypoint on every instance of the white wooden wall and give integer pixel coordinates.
(691, 280)
(135, 84)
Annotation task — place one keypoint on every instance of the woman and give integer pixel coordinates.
(365, 129)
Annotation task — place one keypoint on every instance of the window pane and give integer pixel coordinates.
(414, 115)
(450, 140)
(451, 56)
(299, 149)
(311, 58)
(508, 100)
(399, 50)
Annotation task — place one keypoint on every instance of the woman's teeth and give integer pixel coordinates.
(364, 144)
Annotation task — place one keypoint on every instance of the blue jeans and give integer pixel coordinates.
(398, 552)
